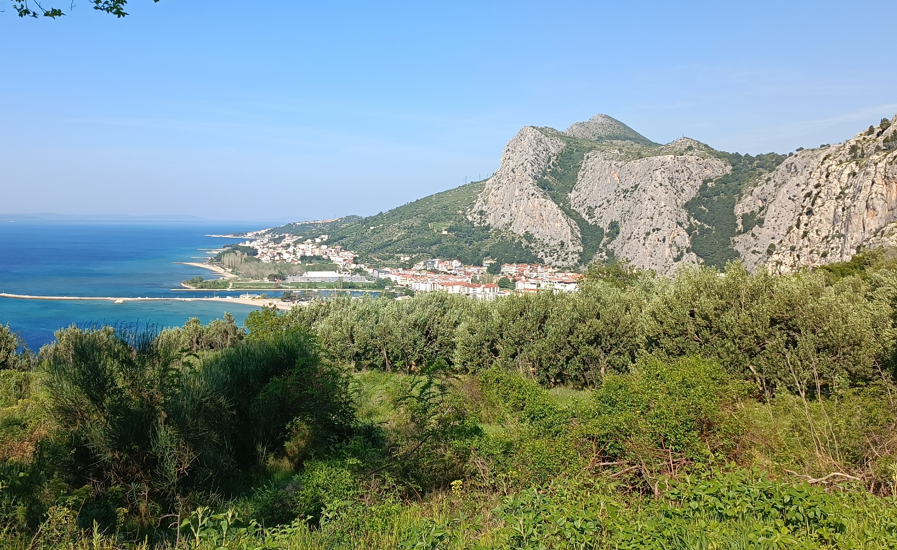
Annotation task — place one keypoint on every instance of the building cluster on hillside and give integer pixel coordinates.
(453, 277)
(535, 277)
(427, 276)
(291, 248)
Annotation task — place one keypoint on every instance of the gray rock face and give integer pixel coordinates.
(641, 204)
(822, 205)
(512, 202)
(603, 127)
(819, 206)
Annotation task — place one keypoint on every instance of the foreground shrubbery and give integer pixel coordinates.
(704, 411)
(805, 333)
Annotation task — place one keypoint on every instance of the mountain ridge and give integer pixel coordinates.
(600, 191)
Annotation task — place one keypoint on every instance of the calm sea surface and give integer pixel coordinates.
(105, 259)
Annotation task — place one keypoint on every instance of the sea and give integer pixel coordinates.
(118, 259)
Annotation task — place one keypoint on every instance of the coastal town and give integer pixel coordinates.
(482, 282)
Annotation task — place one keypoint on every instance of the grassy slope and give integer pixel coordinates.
(415, 230)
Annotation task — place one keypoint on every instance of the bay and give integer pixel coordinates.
(119, 259)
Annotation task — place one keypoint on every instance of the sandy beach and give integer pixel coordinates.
(255, 302)
(223, 273)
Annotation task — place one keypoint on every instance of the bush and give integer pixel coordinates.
(130, 414)
(323, 490)
(665, 415)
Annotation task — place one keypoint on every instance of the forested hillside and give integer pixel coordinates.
(695, 411)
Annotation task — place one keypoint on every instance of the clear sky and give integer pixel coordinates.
(287, 110)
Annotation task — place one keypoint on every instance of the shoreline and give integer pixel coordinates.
(242, 301)
(191, 289)
(224, 274)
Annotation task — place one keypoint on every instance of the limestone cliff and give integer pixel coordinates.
(823, 205)
(511, 200)
(641, 204)
(602, 191)
(598, 191)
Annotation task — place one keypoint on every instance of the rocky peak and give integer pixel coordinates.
(513, 202)
(601, 191)
(605, 128)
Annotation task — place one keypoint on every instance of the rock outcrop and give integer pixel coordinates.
(602, 191)
(604, 128)
(513, 202)
(823, 205)
(641, 205)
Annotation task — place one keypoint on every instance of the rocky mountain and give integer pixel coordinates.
(823, 205)
(605, 128)
(513, 201)
(661, 206)
(600, 191)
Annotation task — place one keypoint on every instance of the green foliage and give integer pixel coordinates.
(200, 283)
(319, 266)
(663, 414)
(511, 252)
(131, 415)
(324, 489)
(803, 332)
(617, 274)
(194, 337)
(856, 266)
(800, 332)
(112, 7)
(714, 206)
(13, 353)
(242, 249)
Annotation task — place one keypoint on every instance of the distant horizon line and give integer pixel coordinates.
(51, 216)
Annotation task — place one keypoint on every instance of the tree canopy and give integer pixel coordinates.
(35, 9)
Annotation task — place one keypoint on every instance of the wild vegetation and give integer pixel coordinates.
(713, 208)
(432, 227)
(697, 411)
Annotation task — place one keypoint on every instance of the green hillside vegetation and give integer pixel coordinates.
(415, 230)
(714, 206)
(643, 412)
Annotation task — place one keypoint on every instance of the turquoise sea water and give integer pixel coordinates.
(105, 259)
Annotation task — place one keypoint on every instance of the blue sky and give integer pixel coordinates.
(287, 110)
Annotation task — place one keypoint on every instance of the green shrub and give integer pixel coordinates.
(664, 415)
(323, 490)
(130, 414)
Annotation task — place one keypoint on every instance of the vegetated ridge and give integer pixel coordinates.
(600, 192)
